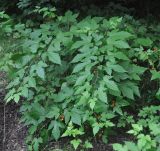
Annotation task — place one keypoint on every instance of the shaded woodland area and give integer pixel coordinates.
(80, 75)
(142, 7)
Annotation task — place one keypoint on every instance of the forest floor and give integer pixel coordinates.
(12, 132)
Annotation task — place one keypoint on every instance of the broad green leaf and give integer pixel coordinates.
(137, 127)
(88, 145)
(36, 142)
(78, 58)
(32, 82)
(10, 94)
(54, 57)
(127, 92)
(155, 129)
(40, 72)
(53, 113)
(13, 83)
(92, 103)
(32, 129)
(80, 67)
(155, 75)
(77, 44)
(50, 48)
(158, 94)
(76, 118)
(76, 143)
(131, 146)
(120, 55)
(138, 69)
(117, 68)
(34, 47)
(111, 84)
(144, 41)
(102, 95)
(67, 116)
(56, 131)
(24, 92)
(121, 35)
(118, 110)
(119, 147)
(136, 90)
(96, 128)
(55, 126)
(16, 97)
(81, 80)
(121, 44)
(141, 143)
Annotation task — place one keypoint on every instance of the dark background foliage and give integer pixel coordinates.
(141, 7)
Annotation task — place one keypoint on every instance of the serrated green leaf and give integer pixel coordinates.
(121, 35)
(40, 72)
(141, 143)
(56, 131)
(111, 84)
(34, 47)
(158, 94)
(81, 80)
(36, 143)
(54, 57)
(117, 68)
(88, 145)
(78, 58)
(76, 118)
(131, 146)
(136, 90)
(16, 98)
(119, 147)
(67, 116)
(121, 44)
(96, 128)
(120, 55)
(138, 69)
(77, 44)
(155, 75)
(32, 82)
(76, 143)
(55, 126)
(92, 103)
(102, 95)
(127, 92)
(25, 92)
(144, 41)
(80, 67)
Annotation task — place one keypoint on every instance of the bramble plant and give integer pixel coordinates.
(76, 75)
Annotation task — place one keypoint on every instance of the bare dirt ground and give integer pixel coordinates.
(12, 132)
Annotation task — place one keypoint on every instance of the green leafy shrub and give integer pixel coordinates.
(75, 76)
(145, 130)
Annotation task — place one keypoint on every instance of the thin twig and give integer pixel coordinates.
(4, 126)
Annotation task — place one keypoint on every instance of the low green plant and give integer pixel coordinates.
(145, 130)
(5, 23)
(125, 120)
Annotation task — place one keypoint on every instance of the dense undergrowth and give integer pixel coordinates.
(84, 77)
